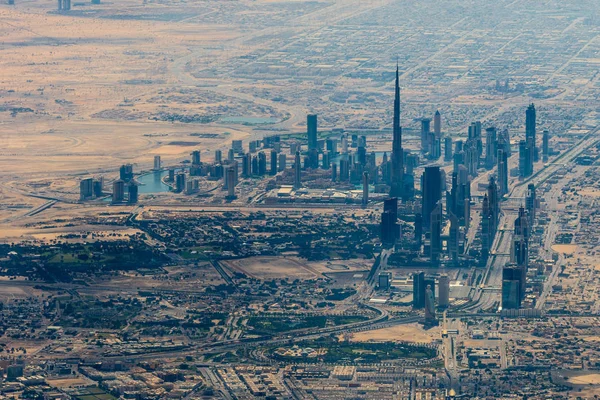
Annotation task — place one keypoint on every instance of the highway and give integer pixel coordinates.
(485, 299)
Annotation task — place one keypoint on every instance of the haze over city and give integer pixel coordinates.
(299, 199)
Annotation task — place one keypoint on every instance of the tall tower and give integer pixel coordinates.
(311, 128)
(437, 124)
(530, 127)
(297, 177)
(431, 186)
(397, 186)
(545, 146)
(365, 198)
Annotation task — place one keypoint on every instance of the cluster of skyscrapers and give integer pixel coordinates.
(514, 275)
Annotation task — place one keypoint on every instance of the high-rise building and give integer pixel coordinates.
(86, 188)
(525, 160)
(437, 124)
(448, 149)
(230, 178)
(545, 146)
(118, 191)
(282, 162)
(430, 318)
(179, 182)
(530, 132)
(311, 127)
(344, 170)
(230, 156)
(236, 146)
(132, 188)
(504, 142)
(530, 203)
(156, 163)
(491, 148)
(365, 182)
(326, 160)
(419, 290)
(126, 172)
(297, 172)
(385, 280)
(435, 244)
(444, 291)
(247, 165)
(273, 170)
(262, 163)
(98, 187)
(418, 231)
(453, 239)
(425, 131)
(218, 156)
(511, 287)
(389, 221)
(431, 188)
(502, 172)
(397, 175)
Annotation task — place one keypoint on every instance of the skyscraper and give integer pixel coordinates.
(282, 162)
(435, 245)
(502, 172)
(425, 131)
(431, 188)
(86, 188)
(448, 148)
(530, 131)
(156, 163)
(437, 124)
(365, 182)
(297, 171)
(218, 156)
(511, 287)
(126, 172)
(525, 159)
(430, 318)
(491, 147)
(419, 290)
(397, 176)
(273, 170)
(389, 221)
(530, 203)
(118, 191)
(545, 146)
(311, 130)
(453, 239)
(133, 193)
(230, 178)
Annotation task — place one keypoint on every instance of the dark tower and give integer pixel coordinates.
(530, 128)
(311, 126)
(431, 187)
(397, 184)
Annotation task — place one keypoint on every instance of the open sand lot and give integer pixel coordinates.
(273, 268)
(69, 382)
(412, 333)
(590, 379)
(565, 248)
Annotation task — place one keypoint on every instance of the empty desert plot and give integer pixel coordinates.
(412, 333)
(68, 382)
(273, 268)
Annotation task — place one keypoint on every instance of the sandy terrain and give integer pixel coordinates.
(68, 382)
(565, 248)
(413, 333)
(590, 379)
(273, 268)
